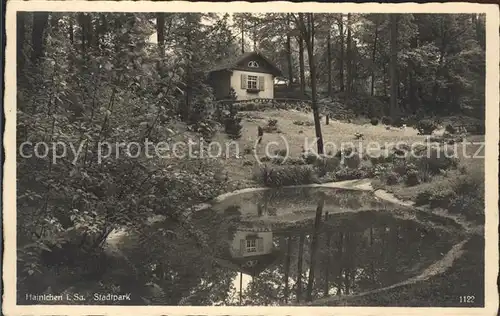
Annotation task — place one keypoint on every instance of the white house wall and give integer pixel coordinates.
(242, 94)
(267, 239)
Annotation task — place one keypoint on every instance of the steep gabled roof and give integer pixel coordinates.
(230, 63)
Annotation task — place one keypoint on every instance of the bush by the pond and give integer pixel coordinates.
(352, 161)
(309, 157)
(412, 177)
(374, 121)
(295, 161)
(344, 174)
(435, 160)
(284, 176)
(326, 164)
(463, 194)
(392, 178)
(426, 127)
(278, 160)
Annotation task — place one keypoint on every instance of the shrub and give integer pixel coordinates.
(272, 122)
(412, 178)
(344, 174)
(281, 152)
(247, 163)
(207, 128)
(422, 198)
(441, 198)
(272, 126)
(284, 176)
(265, 159)
(233, 127)
(450, 129)
(324, 165)
(392, 178)
(436, 160)
(472, 207)
(250, 107)
(300, 123)
(295, 161)
(352, 161)
(310, 158)
(386, 120)
(426, 127)
(374, 121)
(278, 160)
(247, 150)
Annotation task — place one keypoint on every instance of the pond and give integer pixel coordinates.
(268, 247)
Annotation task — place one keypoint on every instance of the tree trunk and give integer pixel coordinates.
(242, 36)
(21, 31)
(83, 27)
(329, 63)
(374, 54)
(71, 32)
(349, 57)
(287, 267)
(187, 93)
(160, 33)
(289, 52)
(393, 65)
(314, 247)
(341, 61)
(312, 70)
(302, 66)
(299, 267)
(40, 20)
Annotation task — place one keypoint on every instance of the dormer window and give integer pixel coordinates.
(253, 64)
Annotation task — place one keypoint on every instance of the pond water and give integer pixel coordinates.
(270, 247)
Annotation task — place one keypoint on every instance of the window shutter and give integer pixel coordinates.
(260, 244)
(261, 83)
(243, 81)
(242, 246)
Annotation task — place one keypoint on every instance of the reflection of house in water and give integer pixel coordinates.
(250, 251)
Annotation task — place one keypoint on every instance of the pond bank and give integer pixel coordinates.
(467, 234)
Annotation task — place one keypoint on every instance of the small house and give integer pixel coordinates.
(250, 75)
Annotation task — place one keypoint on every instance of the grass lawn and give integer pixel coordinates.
(297, 136)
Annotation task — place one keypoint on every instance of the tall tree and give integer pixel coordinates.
(289, 51)
(329, 62)
(307, 29)
(40, 21)
(340, 22)
(349, 57)
(394, 65)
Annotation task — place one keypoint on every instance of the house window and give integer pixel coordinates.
(251, 245)
(252, 82)
(253, 64)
